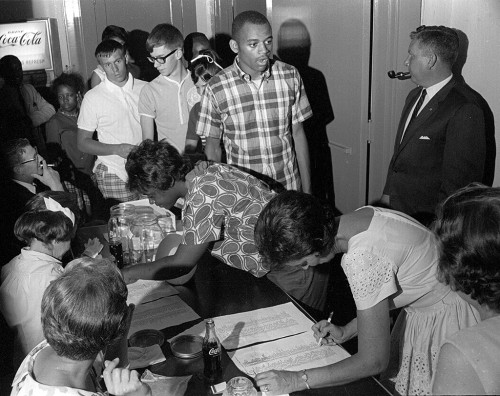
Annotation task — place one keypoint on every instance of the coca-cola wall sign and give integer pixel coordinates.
(29, 41)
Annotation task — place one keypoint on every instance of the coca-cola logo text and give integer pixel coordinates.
(22, 38)
(214, 351)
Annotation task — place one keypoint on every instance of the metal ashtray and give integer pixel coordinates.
(146, 338)
(187, 346)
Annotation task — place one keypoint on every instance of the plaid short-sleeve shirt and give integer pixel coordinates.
(222, 206)
(255, 120)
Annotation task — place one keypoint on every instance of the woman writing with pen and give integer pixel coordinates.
(390, 261)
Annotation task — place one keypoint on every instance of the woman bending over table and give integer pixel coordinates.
(390, 261)
(468, 226)
(84, 312)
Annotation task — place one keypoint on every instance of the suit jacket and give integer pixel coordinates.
(442, 150)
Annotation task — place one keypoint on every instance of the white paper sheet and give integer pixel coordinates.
(245, 328)
(162, 313)
(143, 291)
(293, 353)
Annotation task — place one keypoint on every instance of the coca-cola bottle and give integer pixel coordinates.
(212, 354)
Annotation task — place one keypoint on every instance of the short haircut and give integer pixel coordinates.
(65, 199)
(292, 226)
(12, 152)
(5, 65)
(253, 17)
(44, 225)
(155, 166)
(439, 39)
(72, 80)
(203, 65)
(108, 48)
(112, 31)
(164, 34)
(85, 309)
(189, 41)
(468, 228)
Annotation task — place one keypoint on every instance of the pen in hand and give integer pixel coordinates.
(329, 320)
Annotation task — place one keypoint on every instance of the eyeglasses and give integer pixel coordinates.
(35, 158)
(208, 58)
(161, 59)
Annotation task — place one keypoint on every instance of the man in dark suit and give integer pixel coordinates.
(24, 173)
(440, 144)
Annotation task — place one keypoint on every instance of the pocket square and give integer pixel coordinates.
(424, 138)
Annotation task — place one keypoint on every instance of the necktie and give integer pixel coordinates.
(419, 104)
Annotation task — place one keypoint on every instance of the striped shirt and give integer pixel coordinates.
(255, 120)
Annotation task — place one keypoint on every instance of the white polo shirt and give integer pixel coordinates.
(113, 112)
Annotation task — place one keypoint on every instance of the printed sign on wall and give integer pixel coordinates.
(29, 41)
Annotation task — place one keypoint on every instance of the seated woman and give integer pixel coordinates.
(390, 261)
(48, 235)
(84, 311)
(468, 226)
(74, 166)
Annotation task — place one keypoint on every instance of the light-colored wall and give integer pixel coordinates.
(480, 21)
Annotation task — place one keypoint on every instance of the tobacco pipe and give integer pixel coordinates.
(399, 75)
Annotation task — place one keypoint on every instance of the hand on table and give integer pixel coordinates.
(276, 382)
(92, 248)
(330, 334)
(122, 381)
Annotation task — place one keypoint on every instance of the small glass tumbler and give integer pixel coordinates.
(240, 386)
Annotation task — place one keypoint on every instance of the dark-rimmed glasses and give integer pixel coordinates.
(35, 158)
(161, 59)
(205, 77)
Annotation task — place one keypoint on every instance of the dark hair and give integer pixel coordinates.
(44, 225)
(5, 65)
(72, 80)
(65, 199)
(155, 166)
(292, 226)
(12, 152)
(164, 34)
(206, 62)
(85, 309)
(439, 39)
(468, 227)
(112, 31)
(253, 17)
(108, 47)
(189, 41)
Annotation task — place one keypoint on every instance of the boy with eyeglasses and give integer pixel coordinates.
(163, 101)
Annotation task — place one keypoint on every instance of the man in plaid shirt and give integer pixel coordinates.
(257, 105)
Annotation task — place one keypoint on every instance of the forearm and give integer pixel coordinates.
(161, 269)
(90, 146)
(303, 161)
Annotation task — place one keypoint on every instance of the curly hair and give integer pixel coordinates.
(72, 80)
(292, 226)
(468, 227)
(207, 62)
(155, 166)
(85, 309)
(440, 39)
(44, 225)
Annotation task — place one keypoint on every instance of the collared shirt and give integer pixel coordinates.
(222, 206)
(113, 112)
(31, 187)
(256, 121)
(430, 92)
(166, 101)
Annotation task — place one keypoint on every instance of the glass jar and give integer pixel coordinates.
(119, 224)
(145, 236)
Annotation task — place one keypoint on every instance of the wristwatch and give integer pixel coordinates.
(305, 378)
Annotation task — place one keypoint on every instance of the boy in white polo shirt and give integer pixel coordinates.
(164, 100)
(111, 108)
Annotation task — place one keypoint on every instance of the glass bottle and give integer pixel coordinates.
(118, 232)
(212, 354)
(145, 237)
